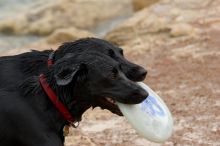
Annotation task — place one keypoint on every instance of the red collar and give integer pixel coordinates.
(52, 96)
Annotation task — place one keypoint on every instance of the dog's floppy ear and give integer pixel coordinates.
(66, 74)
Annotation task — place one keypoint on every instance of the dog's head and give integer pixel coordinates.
(94, 79)
(132, 71)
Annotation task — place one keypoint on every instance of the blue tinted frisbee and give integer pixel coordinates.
(151, 118)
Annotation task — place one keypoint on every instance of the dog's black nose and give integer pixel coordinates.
(143, 73)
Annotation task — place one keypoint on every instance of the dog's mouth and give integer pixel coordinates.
(110, 104)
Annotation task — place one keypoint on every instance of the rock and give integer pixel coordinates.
(81, 14)
(182, 29)
(140, 4)
(69, 34)
(165, 19)
(14, 27)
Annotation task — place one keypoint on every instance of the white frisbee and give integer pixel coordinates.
(151, 118)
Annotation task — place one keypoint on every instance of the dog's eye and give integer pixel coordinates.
(111, 53)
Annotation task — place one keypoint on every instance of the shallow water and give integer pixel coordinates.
(12, 8)
(10, 41)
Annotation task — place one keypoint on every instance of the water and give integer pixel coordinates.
(12, 8)
(8, 42)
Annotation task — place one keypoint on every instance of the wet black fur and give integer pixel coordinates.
(14, 69)
(28, 117)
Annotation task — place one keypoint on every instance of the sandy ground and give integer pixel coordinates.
(190, 87)
(187, 79)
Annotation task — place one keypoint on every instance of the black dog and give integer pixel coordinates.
(80, 81)
(14, 69)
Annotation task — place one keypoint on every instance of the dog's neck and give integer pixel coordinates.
(75, 95)
(71, 96)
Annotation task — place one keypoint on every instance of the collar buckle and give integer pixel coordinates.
(74, 124)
